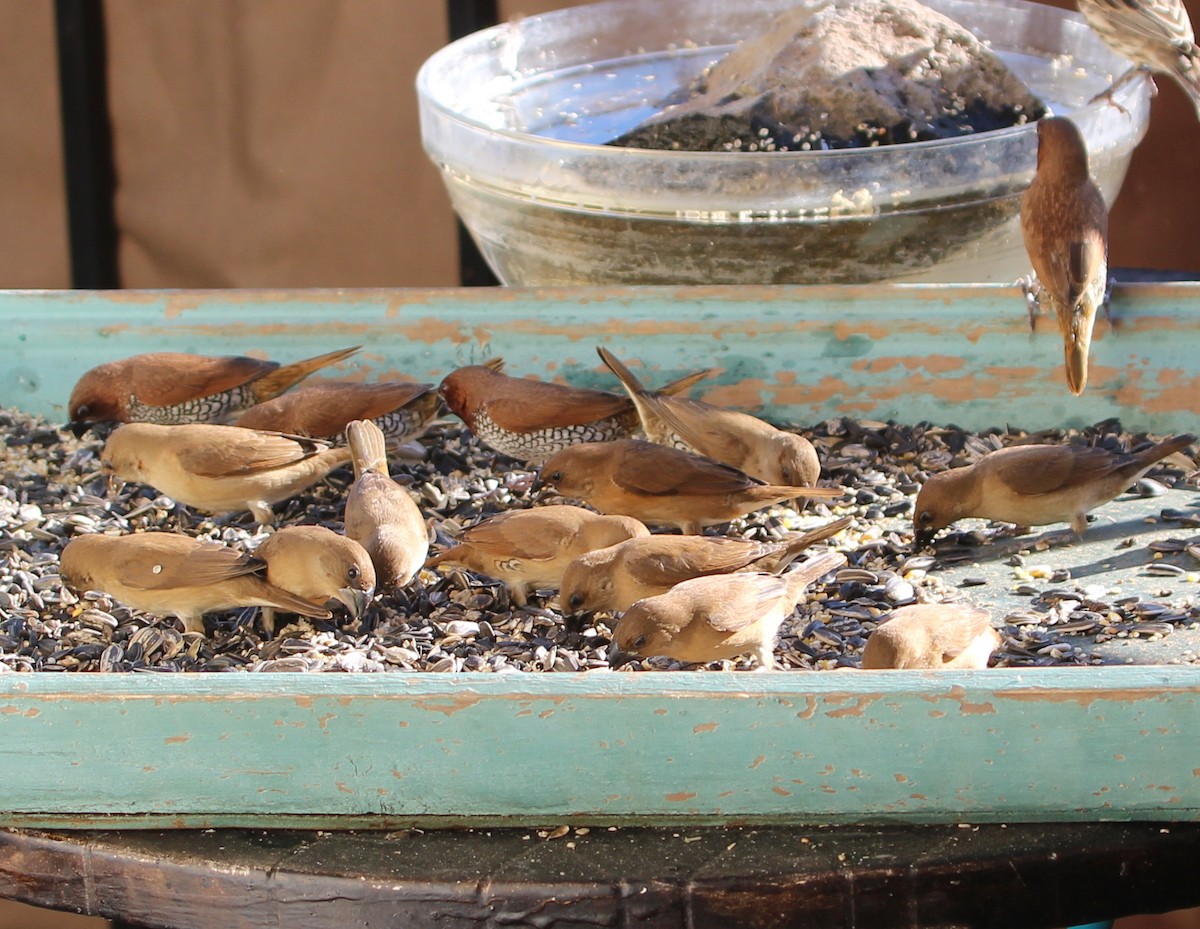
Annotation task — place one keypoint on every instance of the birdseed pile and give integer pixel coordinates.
(51, 489)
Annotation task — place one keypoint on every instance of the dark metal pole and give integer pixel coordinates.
(87, 143)
(465, 17)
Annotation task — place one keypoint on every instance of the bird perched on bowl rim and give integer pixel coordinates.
(717, 616)
(530, 549)
(530, 420)
(169, 574)
(403, 411)
(612, 579)
(1156, 35)
(380, 515)
(661, 485)
(1034, 485)
(219, 469)
(171, 387)
(931, 635)
(746, 442)
(1064, 221)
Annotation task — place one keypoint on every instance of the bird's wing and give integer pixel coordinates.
(705, 427)
(750, 596)
(325, 409)
(535, 405)
(1087, 260)
(208, 563)
(704, 555)
(1160, 22)
(1045, 469)
(528, 538)
(244, 451)
(659, 471)
(164, 379)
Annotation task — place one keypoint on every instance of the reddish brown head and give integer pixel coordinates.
(100, 395)
(465, 389)
(1061, 149)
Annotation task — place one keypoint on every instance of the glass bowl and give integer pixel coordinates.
(515, 117)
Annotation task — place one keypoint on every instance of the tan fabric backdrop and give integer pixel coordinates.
(275, 143)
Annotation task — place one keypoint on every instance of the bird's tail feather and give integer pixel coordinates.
(286, 376)
(368, 447)
(805, 573)
(793, 548)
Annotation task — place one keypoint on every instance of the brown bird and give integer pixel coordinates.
(718, 616)
(317, 565)
(530, 549)
(175, 575)
(170, 388)
(1033, 485)
(932, 635)
(219, 469)
(403, 411)
(1065, 225)
(1156, 35)
(661, 485)
(531, 420)
(614, 578)
(738, 439)
(380, 514)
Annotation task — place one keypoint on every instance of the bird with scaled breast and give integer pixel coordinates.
(735, 438)
(612, 579)
(531, 420)
(1034, 485)
(1064, 222)
(219, 469)
(530, 549)
(717, 616)
(169, 574)
(380, 515)
(661, 485)
(171, 387)
(1156, 35)
(317, 565)
(931, 635)
(403, 411)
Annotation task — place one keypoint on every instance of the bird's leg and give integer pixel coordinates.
(1031, 287)
(267, 615)
(1135, 71)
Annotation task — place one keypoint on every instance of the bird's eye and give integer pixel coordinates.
(639, 641)
(81, 411)
(353, 572)
(575, 601)
(555, 477)
(925, 518)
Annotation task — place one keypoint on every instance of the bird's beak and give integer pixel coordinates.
(574, 623)
(922, 539)
(356, 601)
(617, 658)
(77, 428)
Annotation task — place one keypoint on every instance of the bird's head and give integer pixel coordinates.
(587, 584)
(464, 389)
(938, 505)
(96, 398)
(795, 461)
(320, 565)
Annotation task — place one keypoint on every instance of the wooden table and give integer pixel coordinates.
(1021, 875)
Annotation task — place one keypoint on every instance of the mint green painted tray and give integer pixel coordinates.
(334, 750)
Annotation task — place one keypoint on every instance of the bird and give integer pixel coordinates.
(402, 410)
(1034, 485)
(1064, 222)
(169, 574)
(318, 565)
(219, 469)
(531, 420)
(729, 436)
(169, 388)
(932, 635)
(530, 549)
(1156, 35)
(380, 514)
(717, 616)
(612, 579)
(661, 485)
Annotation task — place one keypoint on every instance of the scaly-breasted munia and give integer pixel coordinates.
(317, 565)
(403, 411)
(529, 549)
(932, 635)
(175, 575)
(380, 514)
(1065, 225)
(661, 485)
(718, 616)
(1033, 485)
(170, 388)
(1156, 35)
(219, 469)
(738, 439)
(531, 420)
(614, 578)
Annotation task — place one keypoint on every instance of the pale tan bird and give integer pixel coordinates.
(380, 514)
(175, 575)
(1034, 485)
(661, 485)
(1064, 221)
(614, 578)
(219, 469)
(932, 635)
(738, 439)
(717, 616)
(318, 565)
(530, 549)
